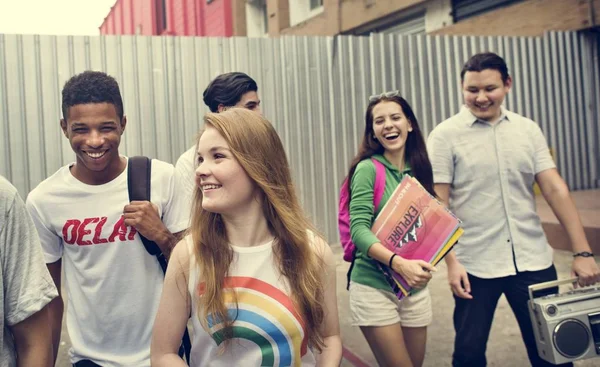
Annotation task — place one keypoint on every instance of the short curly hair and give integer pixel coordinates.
(91, 87)
(227, 90)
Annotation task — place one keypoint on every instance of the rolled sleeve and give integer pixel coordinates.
(361, 206)
(542, 158)
(28, 286)
(440, 155)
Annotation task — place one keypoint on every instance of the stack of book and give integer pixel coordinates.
(415, 225)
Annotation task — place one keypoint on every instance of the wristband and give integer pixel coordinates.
(584, 254)
(391, 259)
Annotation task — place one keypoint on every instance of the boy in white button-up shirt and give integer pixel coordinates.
(485, 161)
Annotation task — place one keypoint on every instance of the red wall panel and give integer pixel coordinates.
(215, 19)
(111, 23)
(178, 17)
(184, 18)
(128, 27)
(118, 17)
(192, 17)
(144, 17)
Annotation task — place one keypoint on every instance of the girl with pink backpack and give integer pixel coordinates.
(393, 145)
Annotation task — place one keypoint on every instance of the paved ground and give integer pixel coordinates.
(505, 347)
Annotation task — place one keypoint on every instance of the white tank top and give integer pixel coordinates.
(268, 331)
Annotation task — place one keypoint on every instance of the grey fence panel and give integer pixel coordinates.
(314, 90)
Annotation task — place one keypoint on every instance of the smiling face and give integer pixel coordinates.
(390, 126)
(225, 185)
(94, 131)
(484, 93)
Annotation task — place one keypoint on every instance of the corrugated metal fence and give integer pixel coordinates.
(314, 90)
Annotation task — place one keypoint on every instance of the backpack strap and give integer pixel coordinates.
(139, 170)
(378, 190)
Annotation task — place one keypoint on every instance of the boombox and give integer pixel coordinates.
(566, 325)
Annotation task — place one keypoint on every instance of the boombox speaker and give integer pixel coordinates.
(566, 325)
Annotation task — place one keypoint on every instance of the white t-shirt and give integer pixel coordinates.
(113, 285)
(186, 173)
(268, 331)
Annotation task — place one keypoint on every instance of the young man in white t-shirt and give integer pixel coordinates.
(227, 90)
(85, 220)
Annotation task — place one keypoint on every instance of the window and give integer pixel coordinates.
(408, 22)
(161, 16)
(257, 20)
(463, 9)
(315, 4)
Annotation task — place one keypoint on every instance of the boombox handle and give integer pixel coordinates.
(546, 285)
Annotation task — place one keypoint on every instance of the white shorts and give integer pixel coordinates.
(375, 307)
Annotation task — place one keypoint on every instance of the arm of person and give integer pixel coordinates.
(331, 355)
(173, 311)
(32, 338)
(143, 216)
(556, 192)
(56, 307)
(439, 149)
(361, 219)
(27, 287)
(457, 274)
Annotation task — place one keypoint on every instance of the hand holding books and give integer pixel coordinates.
(417, 273)
(419, 229)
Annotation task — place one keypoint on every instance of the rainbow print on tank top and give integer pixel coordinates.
(264, 316)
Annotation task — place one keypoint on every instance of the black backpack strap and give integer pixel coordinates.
(139, 170)
(138, 184)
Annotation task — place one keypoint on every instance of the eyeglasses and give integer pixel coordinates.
(376, 97)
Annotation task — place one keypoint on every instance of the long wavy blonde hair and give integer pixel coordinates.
(256, 146)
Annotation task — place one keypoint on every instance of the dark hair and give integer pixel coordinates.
(91, 87)
(227, 90)
(415, 151)
(486, 60)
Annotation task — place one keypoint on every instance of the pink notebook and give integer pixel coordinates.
(414, 225)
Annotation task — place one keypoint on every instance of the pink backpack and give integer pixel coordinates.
(344, 209)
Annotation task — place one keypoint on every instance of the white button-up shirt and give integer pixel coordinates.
(491, 170)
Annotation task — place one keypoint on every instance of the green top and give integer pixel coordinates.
(362, 216)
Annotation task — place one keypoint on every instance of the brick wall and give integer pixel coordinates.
(344, 15)
(238, 18)
(529, 18)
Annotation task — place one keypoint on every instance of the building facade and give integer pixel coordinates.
(455, 17)
(171, 17)
(259, 18)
